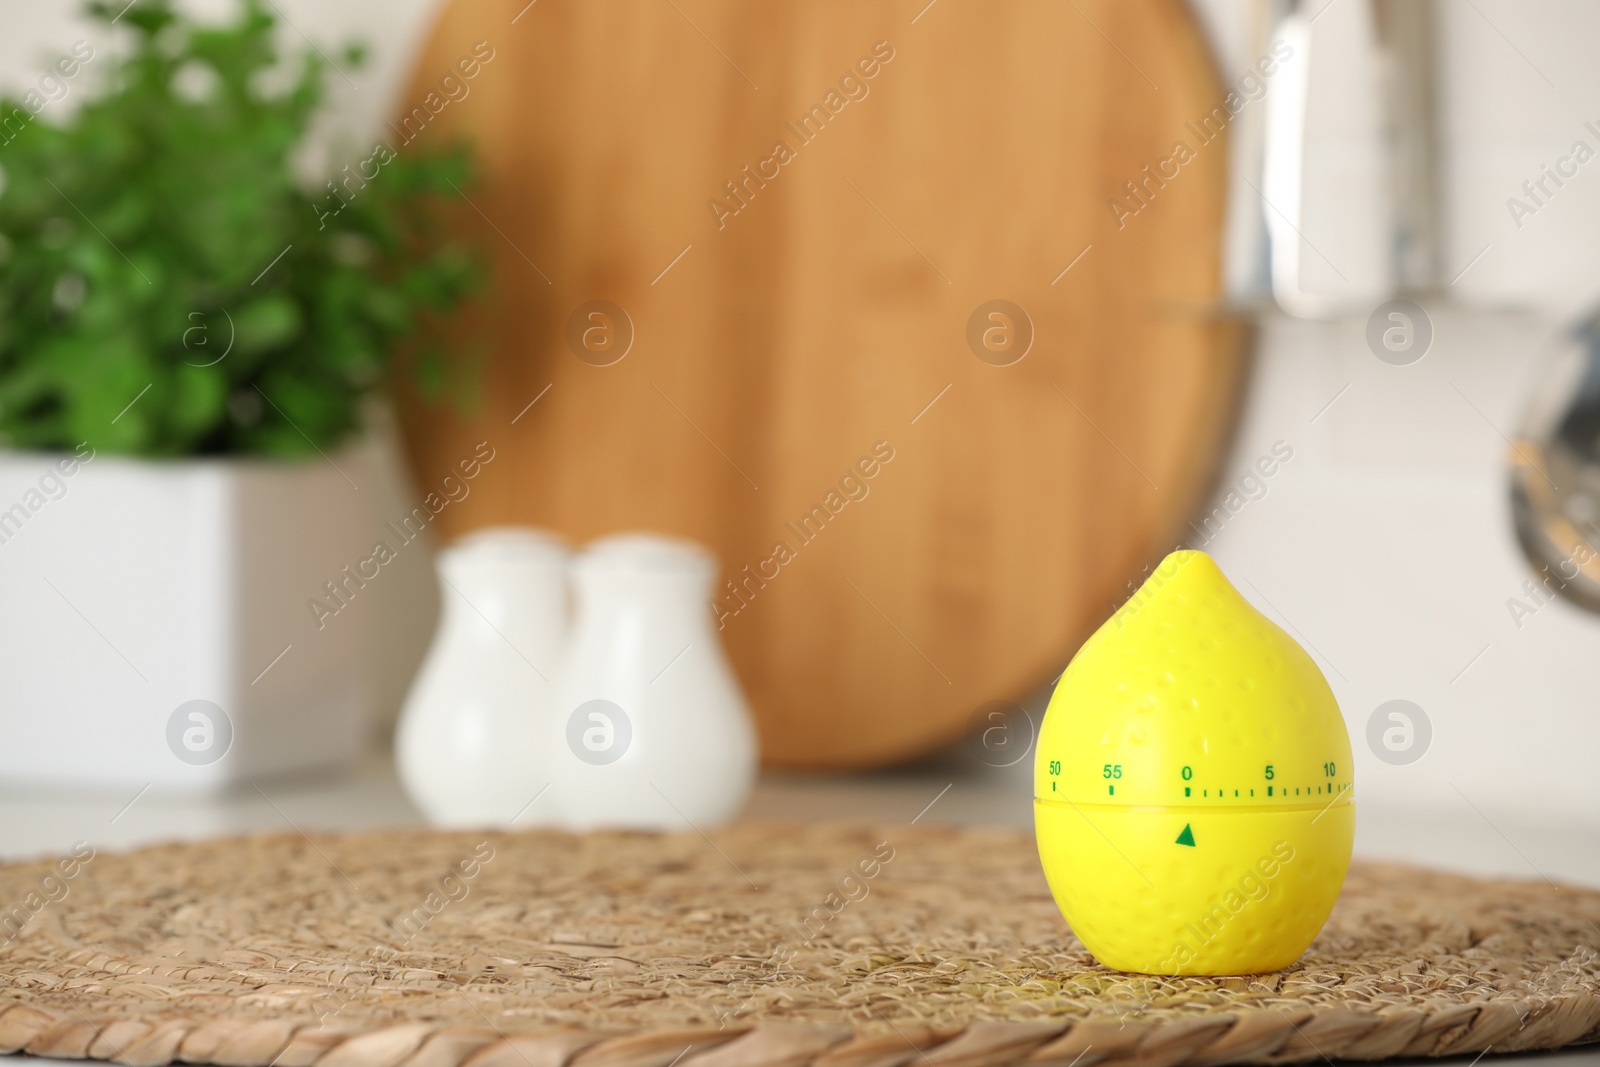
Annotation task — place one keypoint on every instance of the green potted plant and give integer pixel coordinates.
(189, 336)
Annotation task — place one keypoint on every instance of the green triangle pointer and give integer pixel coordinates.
(1187, 837)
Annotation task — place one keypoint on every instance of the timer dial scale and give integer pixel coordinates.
(1193, 796)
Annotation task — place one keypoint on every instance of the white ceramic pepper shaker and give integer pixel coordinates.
(469, 746)
(654, 729)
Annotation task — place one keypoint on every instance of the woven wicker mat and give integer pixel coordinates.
(420, 949)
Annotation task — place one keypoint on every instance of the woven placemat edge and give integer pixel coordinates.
(1266, 1035)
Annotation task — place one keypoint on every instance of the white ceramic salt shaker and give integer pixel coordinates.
(468, 746)
(655, 733)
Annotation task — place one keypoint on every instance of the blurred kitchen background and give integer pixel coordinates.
(1386, 544)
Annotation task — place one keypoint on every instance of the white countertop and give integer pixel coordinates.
(1458, 836)
(1461, 837)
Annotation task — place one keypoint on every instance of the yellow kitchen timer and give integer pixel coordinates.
(1192, 786)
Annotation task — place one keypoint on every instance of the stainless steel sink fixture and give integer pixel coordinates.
(1555, 470)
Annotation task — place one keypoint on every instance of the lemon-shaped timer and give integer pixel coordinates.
(1192, 790)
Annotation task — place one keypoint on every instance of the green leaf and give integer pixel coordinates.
(269, 322)
(198, 401)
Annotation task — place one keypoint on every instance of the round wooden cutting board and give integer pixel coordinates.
(744, 261)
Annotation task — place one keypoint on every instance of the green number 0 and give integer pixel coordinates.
(1188, 773)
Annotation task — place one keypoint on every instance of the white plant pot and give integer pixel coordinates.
(132, 588)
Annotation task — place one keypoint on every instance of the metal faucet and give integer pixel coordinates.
(1405, 51)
